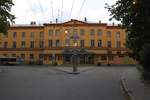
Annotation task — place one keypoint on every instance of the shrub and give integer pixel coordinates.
(55, 63)
(99, 64)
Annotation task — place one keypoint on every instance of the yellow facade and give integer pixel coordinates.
(51, 39)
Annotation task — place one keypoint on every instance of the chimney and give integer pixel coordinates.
(33, 23)
(113, 24)
(56, 20)
(85, 19)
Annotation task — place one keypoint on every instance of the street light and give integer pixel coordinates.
(75, 53)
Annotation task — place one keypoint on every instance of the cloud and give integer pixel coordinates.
(92, 9)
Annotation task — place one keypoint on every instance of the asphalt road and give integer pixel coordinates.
(46, 83)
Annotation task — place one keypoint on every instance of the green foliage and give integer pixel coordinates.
(127, 60)
(5, 16)
(135, 18)
(99, 63)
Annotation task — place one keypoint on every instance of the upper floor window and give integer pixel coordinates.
(92, 32)
(50, 43)
(32, 35)
(75, 31)
(57, 43)
(6, 35)
(118, 44)
(67, 42)
(5, 44)
(99, 33)
(23, 35)
(82, 32)
(14, 34)
(117, 35)
(14, 44)
(92, 43)
(50, 32)
(31, 44)
(41, 34)
(99, 43)
(108, 34)
(57, 32)
(41, 44)
(109, 44)
(23, 44)
(82, 43)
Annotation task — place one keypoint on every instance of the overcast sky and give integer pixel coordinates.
(41, 10)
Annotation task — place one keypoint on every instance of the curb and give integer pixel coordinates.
(127, 93)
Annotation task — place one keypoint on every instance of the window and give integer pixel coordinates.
(92, 43)
(13, 55)
(57, 32)
(92, 32)
(99, 43)
(104, 58)
(41, 56)
(109, 44)
(50, 57)
(5, 55)
(67, 42)
(50, 32)
(111, 58)
(14, 34)
(117, 35)
(31, 56)
(118, 44)
(5, 44)
(75, 31)
(82, 32)
(6, 35)
(41, 34)
(50, 43)
(23, 35)
(41, 44)
(108, 34)
(99, 33)
(32, 35)
(82, 43)
(22, 56)
(57, 43)
(14, 44)
(59, 57)
(31, 44)
(23, 44)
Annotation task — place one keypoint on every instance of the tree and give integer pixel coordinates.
(5, 16)
(135, 18)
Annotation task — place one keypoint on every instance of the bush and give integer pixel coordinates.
(99, 64)
(55, 63)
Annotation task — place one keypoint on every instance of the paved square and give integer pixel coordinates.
(53, 83)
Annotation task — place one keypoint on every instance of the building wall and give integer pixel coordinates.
(100, 52)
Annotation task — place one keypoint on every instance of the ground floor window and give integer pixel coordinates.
(104, 58)
(111, 58)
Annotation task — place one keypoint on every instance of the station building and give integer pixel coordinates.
(56, 42)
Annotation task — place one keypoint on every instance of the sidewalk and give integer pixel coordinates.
(140, 90)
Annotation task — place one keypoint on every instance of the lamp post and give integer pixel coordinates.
(74, 61)
(74, 51)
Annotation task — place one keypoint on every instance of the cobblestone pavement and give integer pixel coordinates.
(53, 83)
